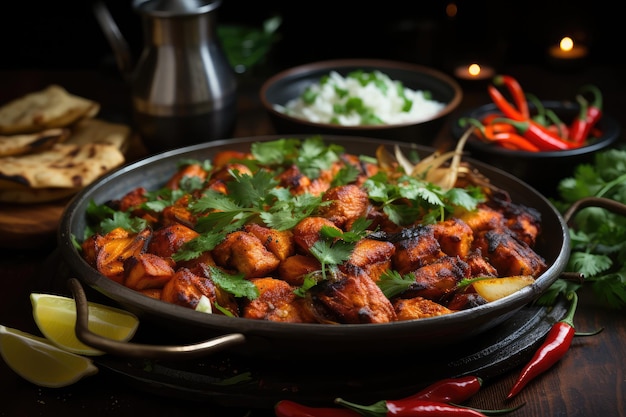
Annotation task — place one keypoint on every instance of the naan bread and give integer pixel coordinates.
(100, 131)
(63, 166)
(31, 142)
(49, 108)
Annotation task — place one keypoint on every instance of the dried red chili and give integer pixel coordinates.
(287, 408)
(517, 93)
(554, 347)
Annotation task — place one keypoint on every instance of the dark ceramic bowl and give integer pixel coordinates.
(290, 84)
(541, 170)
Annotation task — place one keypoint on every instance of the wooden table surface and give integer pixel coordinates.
(589, 381)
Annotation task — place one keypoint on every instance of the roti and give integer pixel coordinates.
(31, 142)
(100, 131)
(64, 165)
(51, 107)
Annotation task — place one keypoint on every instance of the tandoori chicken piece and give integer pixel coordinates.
(245, 253)
(347, 203)
(147, 270)
(370, 257)
(455, 237)
(415, 247)
(279, 242)
(294, 269)
(276, 302)
(307, 232)
(169, 239)
(418, 308)
(509, 255)
(186, 289)
(117, 246)
(437, 280)
(351, 299)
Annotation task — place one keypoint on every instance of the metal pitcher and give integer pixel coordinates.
(183, 89)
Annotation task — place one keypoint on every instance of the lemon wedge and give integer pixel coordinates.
(40, 362)
(55, 316)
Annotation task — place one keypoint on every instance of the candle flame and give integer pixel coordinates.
(566, 44)
(473, 70)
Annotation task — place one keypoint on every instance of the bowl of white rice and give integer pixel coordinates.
(361, 97)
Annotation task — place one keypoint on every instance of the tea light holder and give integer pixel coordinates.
(567, 54)
(474, 72)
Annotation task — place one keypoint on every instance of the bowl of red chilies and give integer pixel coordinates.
(538, 141)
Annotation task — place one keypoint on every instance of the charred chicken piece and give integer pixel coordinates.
(112, 250)
(351, 299)
(415, 247)
(438, 280)
(169, 239)
(509, 255)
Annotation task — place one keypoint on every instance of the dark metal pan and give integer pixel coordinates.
(273, 339)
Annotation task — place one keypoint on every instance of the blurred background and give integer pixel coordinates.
(65, 35)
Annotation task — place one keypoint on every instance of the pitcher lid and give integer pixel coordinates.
(172, 8)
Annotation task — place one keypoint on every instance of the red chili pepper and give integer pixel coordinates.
(579, 129)
(410, 408)
(450, 390)
(513, 141)
(555, 346)
(540, 135)
(517, 93)
(503, 105)
(287, 408)
(557, 125)
(589, 115)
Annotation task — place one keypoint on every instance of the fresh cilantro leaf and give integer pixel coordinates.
(392, 283)
(195, 247)
(235, 284)
(125, 220)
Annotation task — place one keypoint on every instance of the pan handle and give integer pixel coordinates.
(143, 351)
(605, 203)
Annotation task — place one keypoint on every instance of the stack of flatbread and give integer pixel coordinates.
(52, 145)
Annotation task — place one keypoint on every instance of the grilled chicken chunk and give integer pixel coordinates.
(455, 237)
(296, 267)
(280, 243)
(169, 239)
(307, 232)
(415, 247)
(276, 302)
(370, 257)
(437, 280)
(509, 255)
(186, 289)
(245, 253)
(418, 308)
(347, 203)
(352, 299)
(147, 270)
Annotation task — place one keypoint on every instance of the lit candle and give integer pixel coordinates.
(474, 71)
(567, 53)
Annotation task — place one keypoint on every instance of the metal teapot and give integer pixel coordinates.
(183, 89)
